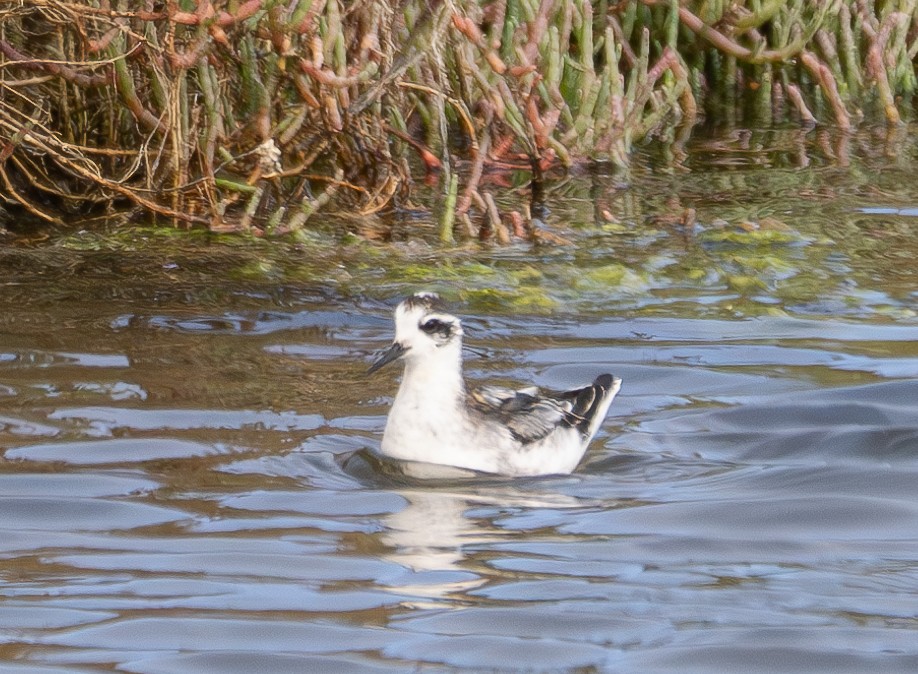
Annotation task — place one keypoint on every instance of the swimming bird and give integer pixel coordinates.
(493, 429)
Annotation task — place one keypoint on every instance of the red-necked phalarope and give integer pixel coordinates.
(491, 429)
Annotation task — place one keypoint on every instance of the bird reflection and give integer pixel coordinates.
(444, 524)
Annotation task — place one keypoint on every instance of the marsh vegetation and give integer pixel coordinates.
(254, 115)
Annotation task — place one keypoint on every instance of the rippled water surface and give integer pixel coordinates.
(189, 483)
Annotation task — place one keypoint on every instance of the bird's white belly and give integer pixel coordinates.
(457, 441)
(444, 441)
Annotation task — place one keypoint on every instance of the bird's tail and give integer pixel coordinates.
(592, 404)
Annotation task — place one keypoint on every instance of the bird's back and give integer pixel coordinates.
(542, 434)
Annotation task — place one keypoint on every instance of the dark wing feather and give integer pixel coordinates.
(528, 416)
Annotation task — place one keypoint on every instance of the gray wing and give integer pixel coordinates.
(527, 415)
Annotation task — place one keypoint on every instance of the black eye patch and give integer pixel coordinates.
(434, 326)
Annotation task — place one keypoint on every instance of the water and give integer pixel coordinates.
(188, 480)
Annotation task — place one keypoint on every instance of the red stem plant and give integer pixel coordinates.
(254, 115)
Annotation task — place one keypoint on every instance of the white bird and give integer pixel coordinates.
(491, 429)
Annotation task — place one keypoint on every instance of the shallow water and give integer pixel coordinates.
(189, 483)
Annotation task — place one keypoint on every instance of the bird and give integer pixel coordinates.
(435, 419)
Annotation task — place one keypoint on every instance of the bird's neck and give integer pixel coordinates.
(436, 381)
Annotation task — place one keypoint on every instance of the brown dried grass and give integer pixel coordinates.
(255, 114)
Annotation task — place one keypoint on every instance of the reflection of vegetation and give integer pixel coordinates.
(724, 239)
(255, 114)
